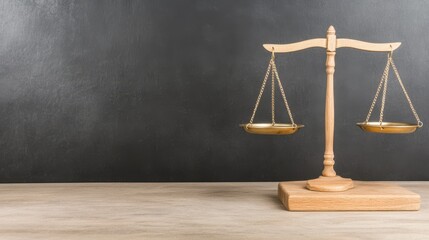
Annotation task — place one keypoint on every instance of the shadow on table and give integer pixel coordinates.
(274, 199)
(238, 193)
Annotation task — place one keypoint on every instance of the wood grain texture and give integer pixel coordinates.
(328, 157)
(298, 46)
(365, 196)
(367, 46)
(188, 211)
(329, 184)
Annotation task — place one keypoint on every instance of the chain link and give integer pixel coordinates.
(283, 94)
(273, 121)
(420, 123)
(383, 77)
(262, 90)
(383, 83)
(274, 75)
(383, 98)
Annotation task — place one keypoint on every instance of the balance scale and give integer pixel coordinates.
(331, 192)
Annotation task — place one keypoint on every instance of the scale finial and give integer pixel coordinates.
(331, 30)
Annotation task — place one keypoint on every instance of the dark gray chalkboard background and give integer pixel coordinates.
(155, 90)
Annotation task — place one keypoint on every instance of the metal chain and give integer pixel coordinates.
(274, 74)
(383, 98)
(283, 94)
(383, 83)
(383, 77)
(273, 121)
(419, 123)
(262, 89)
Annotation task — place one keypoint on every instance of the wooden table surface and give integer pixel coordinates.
(189, 211)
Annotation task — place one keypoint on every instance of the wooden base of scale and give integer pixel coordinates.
(364, 196)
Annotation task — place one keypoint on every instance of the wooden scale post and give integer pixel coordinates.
(331, 192)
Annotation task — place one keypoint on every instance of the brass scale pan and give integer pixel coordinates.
(285, 129)
(388, 127)
(271, 129)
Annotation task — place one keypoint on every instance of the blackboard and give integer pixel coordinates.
(155, 90)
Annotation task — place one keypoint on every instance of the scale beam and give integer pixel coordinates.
(340, 43)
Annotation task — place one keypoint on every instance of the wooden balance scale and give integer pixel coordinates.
(331, 192)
